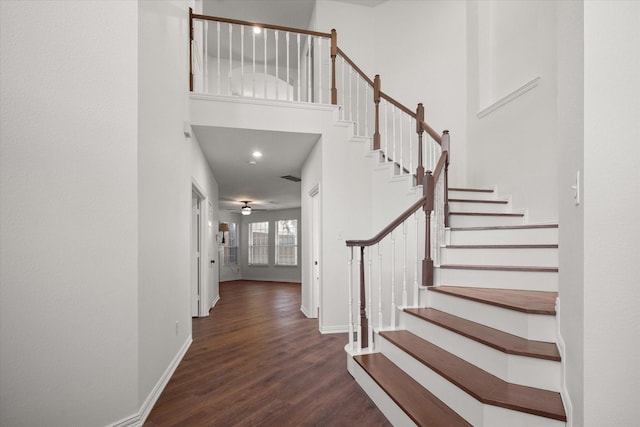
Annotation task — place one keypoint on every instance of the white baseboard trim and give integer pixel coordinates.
(137, 420)
(339, 329)
(304, 311)
(215, 301)
(562, 349)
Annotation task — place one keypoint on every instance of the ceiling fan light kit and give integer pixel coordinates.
(246, 209)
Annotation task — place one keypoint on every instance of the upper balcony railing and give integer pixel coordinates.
(260, 61)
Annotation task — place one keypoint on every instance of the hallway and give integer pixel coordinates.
(257, 361)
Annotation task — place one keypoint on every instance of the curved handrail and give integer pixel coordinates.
(389, 228)
(261, 25)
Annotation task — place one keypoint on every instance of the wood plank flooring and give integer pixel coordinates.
(258, 361)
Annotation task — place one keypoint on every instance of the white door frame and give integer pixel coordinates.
(316, 252)
(203, 310)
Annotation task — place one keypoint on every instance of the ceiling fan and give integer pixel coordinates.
(246, 209)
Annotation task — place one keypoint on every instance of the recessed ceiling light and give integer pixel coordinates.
(252, 162)
(257, 154)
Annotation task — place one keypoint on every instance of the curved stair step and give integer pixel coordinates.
(418, 403)
(479, 384)
(499, 340)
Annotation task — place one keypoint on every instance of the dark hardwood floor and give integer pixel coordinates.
(258, 361)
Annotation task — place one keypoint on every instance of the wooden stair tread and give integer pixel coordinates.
(494, 338)
(501, 202)
(480, 384)
(532, 302)
(418, 403)
(505, 227)
(501, 268)
(486, 213)
(535, 246)
(473, 190)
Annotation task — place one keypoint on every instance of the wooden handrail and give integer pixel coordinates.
(261, 25)
(397, 104)
(389, 228)
(355, 67)
(442, 161)
(432, 133)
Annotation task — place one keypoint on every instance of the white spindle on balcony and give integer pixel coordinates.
(230, 75)
(205, 57)
(288, 66)
(218, 57)
(242, 60)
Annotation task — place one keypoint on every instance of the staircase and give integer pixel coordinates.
(480, 348)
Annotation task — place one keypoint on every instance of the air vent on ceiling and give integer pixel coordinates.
(291, 178)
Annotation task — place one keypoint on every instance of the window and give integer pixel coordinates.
(258, 243)
(231, 245)
(287, 242)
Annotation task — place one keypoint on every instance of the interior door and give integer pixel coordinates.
(195, 254)
(212, 254)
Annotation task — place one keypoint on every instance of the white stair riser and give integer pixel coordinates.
(478, 207)
(515, 369)
(529, 236)
(472, 195)
(483, 221)
(538, 257)
(539, 327)
(474, 411)
(497, 279)
(387, 406)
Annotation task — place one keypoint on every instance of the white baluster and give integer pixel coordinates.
(350, 287)
(393, 281)
(350, 94)
(366, 109)
(380, 325)
(416, 285)
(253, 56)
(343, 92)
(276, 58)
(205, 57)
(299, 66)
(288, 81)
(218, 55)
(404, 264)
(265, 63)
(358, 121)
(410, 124)
(386, 133)
(242, 60)
(401, 139)
(319, 61)
(358, 299)
(309, 69)
(393, 134)
(230, 59)
(369, 309)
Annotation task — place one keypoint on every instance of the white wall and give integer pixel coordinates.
(68, 212)
(229, 272)
(164, 182)
(519, 136)
(202, 177)
(270, 272)
(611, 206)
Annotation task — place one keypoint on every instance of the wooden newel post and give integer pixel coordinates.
(334, 53)
(190, 50)
(446, 147)
(427, 262)
(364, 324)
(376, 100)
(420, 131)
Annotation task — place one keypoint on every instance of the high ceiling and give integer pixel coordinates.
(228, 151)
